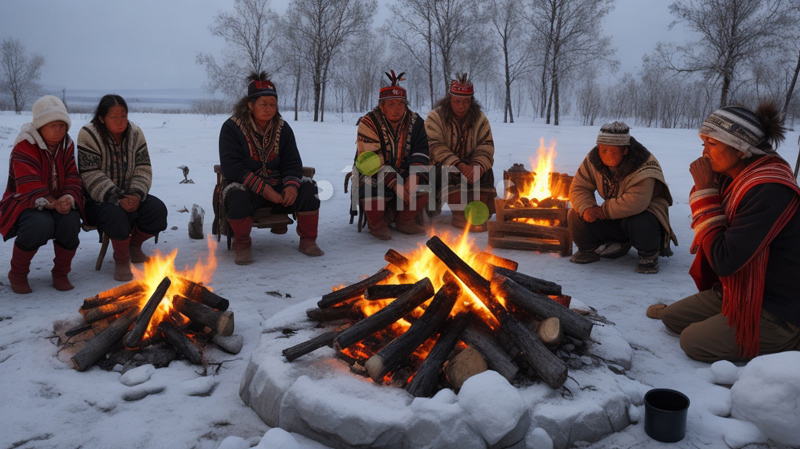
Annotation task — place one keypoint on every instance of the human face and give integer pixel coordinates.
(460, 105)
(612, 155)
(53, 133)
(723, 158)
(116, 120)
(263, 109)
(393, 109)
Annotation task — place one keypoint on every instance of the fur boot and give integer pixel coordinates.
(62, 264)
(122, 260)
(242, 245)
(307, 223)
(20, 267)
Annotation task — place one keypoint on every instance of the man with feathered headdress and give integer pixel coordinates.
(392, 160)
(462, 147)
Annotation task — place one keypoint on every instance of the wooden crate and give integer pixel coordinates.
(506, 233)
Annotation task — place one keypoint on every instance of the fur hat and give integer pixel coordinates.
(747, 131)
(617, 134)
(50, 109)
(393, 90)
(261, 88)
(461, 87)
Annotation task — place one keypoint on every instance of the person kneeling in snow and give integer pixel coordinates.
(259, 159)
(745, 203)
(635, 211)
(43, 199)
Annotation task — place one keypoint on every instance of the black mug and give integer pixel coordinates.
(665, 414)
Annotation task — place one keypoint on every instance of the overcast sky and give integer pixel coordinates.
(152, 44)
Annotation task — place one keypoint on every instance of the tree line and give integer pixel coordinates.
(541, 58)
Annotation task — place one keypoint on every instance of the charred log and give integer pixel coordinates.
(397, 259)
(112, 294)
(220, 322)
(98, 346)
(385, 291)
(477, 335)
(112, 308)
(531, 283)
(181, 342)
(352, 291)
(134, 337)
(199, 293)
(427, 377)
(315, 343)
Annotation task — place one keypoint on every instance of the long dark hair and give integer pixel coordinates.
(106, 103)
(446, 111)
(240, 109)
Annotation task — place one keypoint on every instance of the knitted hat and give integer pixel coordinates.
(393, 90)
(50, 109)
(461, 86)
(615, 133)
(737, 127)
(258, 88)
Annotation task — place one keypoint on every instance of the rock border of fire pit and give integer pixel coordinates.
(317, 396)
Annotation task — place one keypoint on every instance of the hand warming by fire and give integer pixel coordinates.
(161, 304)
(404, 325)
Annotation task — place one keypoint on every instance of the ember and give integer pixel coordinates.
(160, 306)
(404, 333)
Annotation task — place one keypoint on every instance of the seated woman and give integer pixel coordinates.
(259, 159)
(745, 213)
(636, 200)
(43, 198)
(116, 172)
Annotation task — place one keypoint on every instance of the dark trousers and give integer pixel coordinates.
(642, 230)
(242, 203)
(150, 218)
(706, 336)
(35, 227)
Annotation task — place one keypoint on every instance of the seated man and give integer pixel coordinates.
(635, 211)
(259, 158)
(462, 148)
(392, 159)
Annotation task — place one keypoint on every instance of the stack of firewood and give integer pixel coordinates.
(120, 321)
(525, 333)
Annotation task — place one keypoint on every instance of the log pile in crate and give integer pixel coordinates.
(122, 321)
(510, 322)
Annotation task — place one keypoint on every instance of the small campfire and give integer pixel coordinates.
(533, 216)
(455, 310)
(160, 308)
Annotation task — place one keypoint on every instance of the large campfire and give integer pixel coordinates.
(161, 307)
(448, 308)
(533, 214)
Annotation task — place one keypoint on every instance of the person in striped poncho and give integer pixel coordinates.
(43, 199)
(115, 167)
(745, 214)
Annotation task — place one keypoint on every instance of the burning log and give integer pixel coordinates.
(352, 291)
(334, 313)
(112, 308)
(492, 259)
(180, 341)
(573, 323)
(464, 365)
(112, 295)
(393, 354)
(98, 346)
(425, 380)
(312, 345)
(531, 283)
(386, 291)
(394, 311)
(550, 331)
(397, 259)
(467, 275)
(199, 293)
(134, 337)
(478, 336)
(220, 321)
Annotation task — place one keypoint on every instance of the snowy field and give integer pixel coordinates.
(47, 404)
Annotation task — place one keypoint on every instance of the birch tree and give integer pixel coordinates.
(514, 41)
(20, 72)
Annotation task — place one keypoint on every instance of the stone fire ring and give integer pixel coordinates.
(317, 396)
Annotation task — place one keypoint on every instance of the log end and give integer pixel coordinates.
(375, 367)
(225, 324)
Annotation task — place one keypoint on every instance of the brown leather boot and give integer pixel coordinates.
(242, 244)
(408, 221)
(20, 267)
(376, 221)
(137, 238)
(122, 260)
(62, 264)
(307, 224)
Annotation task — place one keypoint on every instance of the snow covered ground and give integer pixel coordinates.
(46, 403)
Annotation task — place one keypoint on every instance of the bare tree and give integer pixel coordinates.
(453, 21)
(508, 20)
(569, 29)
(249, 33)
(20, 72)
(411, 25)
(324, 26)
(732, 32)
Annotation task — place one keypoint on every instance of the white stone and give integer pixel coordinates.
(137, 376)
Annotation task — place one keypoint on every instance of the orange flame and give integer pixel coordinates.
(159, 267)
(540, 187)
